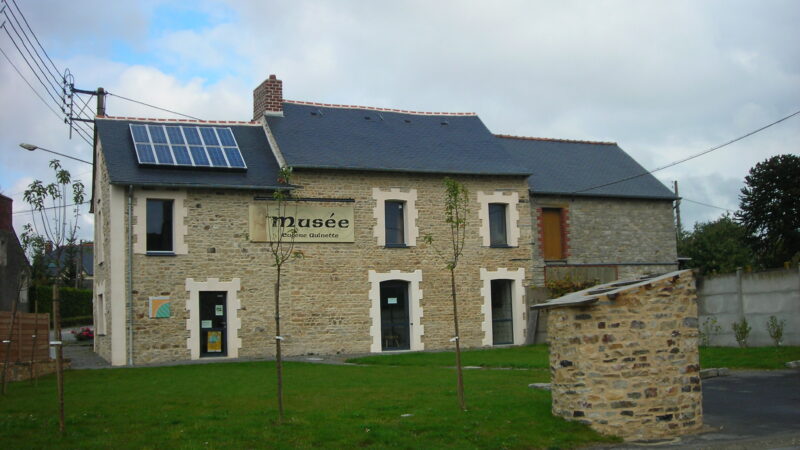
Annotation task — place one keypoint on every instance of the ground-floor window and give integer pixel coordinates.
(502, 318)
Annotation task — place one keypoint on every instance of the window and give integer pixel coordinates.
(159, 225)
(499, 218)
(100, 319)
(395, 216)
(395, 220)
(497, 225)
(552, 234)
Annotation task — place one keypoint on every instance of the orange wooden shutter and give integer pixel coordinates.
(553, 247)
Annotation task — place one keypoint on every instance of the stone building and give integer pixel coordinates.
(182, 215)
(15, 269)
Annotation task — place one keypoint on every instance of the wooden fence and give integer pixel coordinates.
(26, 326)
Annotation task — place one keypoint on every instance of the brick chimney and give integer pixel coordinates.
(5, 213)
(268, 98)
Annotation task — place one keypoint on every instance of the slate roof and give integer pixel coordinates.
(85, 252)
(562, 167)
(123, 167)
(313, 136)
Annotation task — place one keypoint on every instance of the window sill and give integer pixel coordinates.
(396, 246)
(154, 253)
(502, 246)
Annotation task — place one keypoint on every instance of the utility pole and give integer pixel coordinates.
(677, 208)
(101, 102)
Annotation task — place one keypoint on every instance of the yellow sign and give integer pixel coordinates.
(214, 342)
(306, 223)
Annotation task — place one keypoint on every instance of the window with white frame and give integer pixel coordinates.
(160, 227)
(395, 216)
(499, 219)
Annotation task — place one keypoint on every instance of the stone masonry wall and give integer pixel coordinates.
(629, 366)
(102, 342)
(325, 303)
(611, 231)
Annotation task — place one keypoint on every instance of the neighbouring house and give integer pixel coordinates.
(15, 269)
(183, 212)
(77, 261)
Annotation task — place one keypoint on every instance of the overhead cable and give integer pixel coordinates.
(675, 163)
(153, 106)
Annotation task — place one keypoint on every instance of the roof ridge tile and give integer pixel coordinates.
(161, 119)
(380, 109)
(531, 138)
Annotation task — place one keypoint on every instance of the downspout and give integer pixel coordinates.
(130, 275)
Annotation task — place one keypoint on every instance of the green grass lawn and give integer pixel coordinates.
(232, 405)
(536, 357)
(748, 358)
(529, 357)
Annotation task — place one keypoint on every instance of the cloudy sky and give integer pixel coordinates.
(663, 79)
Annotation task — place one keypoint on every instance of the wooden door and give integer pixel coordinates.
(553, 242)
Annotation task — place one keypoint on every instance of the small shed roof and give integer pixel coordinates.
(608, 290)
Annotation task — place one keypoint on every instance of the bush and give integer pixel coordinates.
(741, 331)
(709, 330)
(775, 328)
(74, 302)
(564, 286)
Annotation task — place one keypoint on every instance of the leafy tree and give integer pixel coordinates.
(769, 209)
(57, 225)
(455, 215)
(718, 246)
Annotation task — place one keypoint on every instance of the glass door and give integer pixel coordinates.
(213, 324)
(395, 327)
(502, 320)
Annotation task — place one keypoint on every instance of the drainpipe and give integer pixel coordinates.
(130, 274)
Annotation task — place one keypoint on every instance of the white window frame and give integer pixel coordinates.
(410, 214)
(518, 313)
(179, 227)
(100, 308)
(417, 330)
(511, 199)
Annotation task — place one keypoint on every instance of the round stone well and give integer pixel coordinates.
(624, 357)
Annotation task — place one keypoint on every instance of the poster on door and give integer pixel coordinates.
(214, 343)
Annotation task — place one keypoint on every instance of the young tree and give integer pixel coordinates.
(769, 209)
(455, 215)
(281, 245)
(57, 225)
(718, 246)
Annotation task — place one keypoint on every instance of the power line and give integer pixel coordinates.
(55, 77)
(29, 65)
(31, 211)
(153, 106)
(675, 163)
(704, 204)
(34, 34)
(29, 84)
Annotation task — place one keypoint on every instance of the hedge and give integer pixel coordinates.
(74, 302)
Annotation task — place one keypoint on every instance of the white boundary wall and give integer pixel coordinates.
(756, 297)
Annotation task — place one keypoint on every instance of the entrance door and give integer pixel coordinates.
(213, 324)
(395, 327)
(502, 320)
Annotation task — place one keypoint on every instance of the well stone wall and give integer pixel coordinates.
(629, 366)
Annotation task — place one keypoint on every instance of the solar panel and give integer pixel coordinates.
(186, 145)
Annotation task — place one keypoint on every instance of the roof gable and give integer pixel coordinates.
(358, 138)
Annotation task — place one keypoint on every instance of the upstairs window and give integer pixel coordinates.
(395, 223)
(498, 237)
(159, 225)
